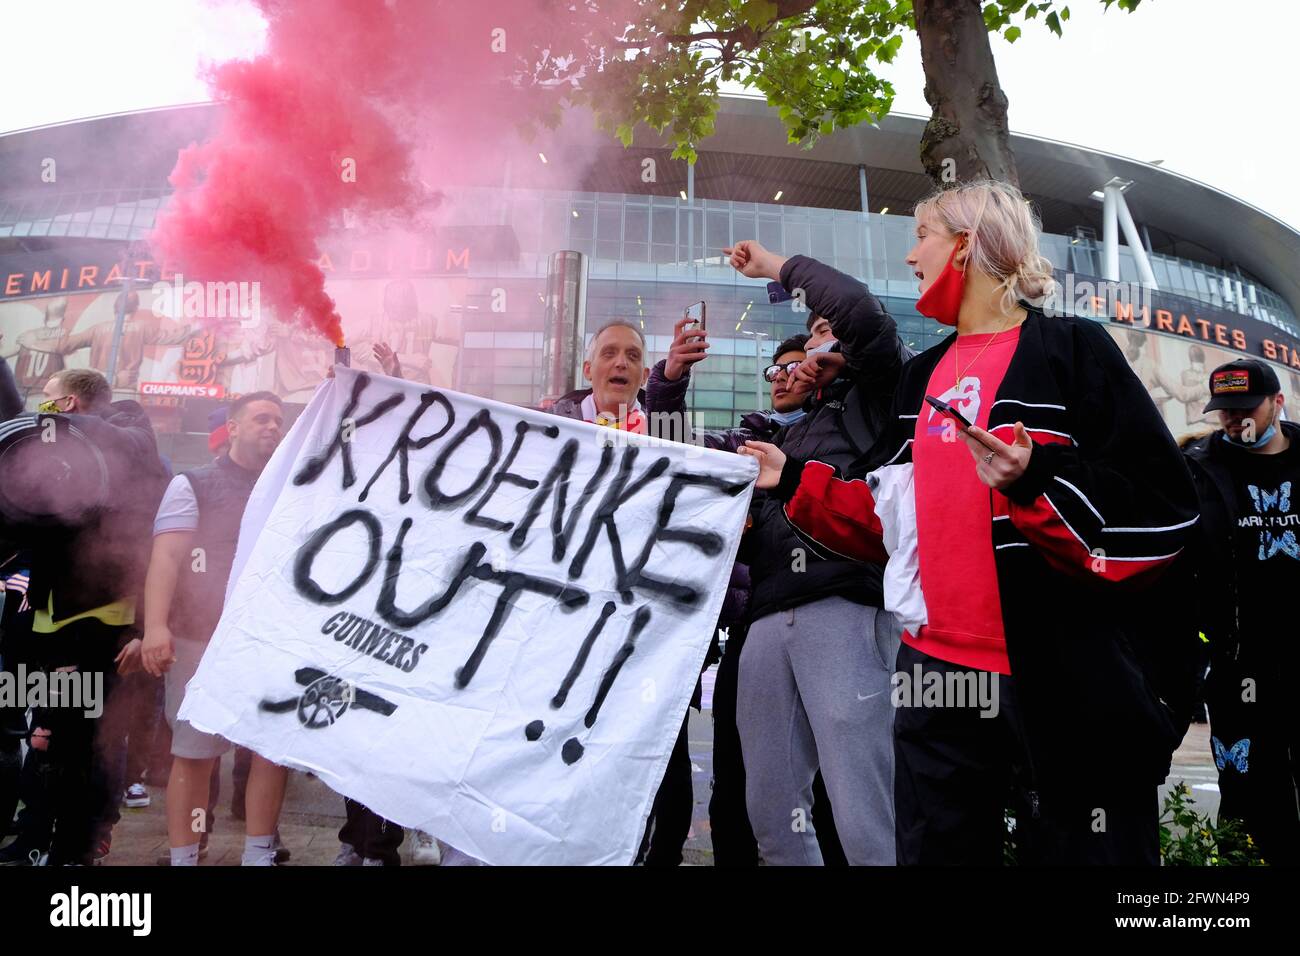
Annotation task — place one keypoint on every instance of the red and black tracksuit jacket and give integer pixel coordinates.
(1100, 629)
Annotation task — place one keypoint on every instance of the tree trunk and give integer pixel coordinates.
(966, 137)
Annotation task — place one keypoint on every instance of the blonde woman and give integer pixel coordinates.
(1030, 503)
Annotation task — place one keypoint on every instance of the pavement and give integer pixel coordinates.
(313, 813)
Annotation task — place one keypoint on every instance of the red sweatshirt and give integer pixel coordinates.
(956, 515)
(954, 511)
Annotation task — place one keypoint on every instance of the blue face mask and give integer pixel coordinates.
(788, 418)
(1259, 442)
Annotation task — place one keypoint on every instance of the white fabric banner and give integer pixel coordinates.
(475, 619)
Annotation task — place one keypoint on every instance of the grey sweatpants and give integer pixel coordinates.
(815, 692)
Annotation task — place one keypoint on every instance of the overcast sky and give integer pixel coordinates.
(1202, 84)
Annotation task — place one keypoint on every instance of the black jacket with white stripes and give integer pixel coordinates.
(1100, 632)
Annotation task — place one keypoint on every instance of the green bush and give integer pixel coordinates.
(1189, 839)
(1186, 837)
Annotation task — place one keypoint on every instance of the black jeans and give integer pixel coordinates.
(670, 814)
(84, 751)
(87, 785)
(13, 727)
(36, 787)
(373, 837)
(732, 835)
(124, 740)
(956, 772)
(143, 717)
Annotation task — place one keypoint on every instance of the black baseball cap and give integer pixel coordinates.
(1241, 384)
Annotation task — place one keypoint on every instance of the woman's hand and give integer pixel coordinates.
(770, 462)
(1004, 464)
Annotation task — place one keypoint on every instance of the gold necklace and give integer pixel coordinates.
(956, 357)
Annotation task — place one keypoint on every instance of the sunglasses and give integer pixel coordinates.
(772, 371)
(51, 406)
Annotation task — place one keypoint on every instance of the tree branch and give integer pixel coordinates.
(745, 35)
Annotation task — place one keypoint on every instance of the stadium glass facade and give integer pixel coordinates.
(649, 254)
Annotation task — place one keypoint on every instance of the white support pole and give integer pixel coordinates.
(1145, 273)
(866, 230)
(1110, 232)
(690, 213)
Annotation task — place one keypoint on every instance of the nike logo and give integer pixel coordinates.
(869, 696)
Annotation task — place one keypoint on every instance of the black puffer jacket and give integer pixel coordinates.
(842, 423)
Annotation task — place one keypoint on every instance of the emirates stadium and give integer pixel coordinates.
(497, 298)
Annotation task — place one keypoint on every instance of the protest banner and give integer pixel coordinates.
(480, 620)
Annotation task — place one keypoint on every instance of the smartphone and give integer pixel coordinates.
(957, 418)
(695, 315)
(776, 293)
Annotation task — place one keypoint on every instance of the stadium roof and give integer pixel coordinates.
(749, 159)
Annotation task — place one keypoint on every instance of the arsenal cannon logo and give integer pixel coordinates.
(326, 699)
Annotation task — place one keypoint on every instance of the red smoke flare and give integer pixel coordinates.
(342, 84)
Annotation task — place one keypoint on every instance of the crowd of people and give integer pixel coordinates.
(1002, 520)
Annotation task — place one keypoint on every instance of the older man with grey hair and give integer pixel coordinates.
(616, 367)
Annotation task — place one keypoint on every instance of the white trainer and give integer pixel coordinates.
(348, 856)
(425, 851)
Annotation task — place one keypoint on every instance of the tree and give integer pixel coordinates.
(661, 63)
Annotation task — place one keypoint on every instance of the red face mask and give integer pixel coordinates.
(942, 301)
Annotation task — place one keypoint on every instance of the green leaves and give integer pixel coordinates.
(1189, 839)
(659, 64)
(998, 15)
(758, 13)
